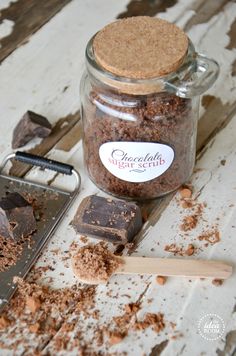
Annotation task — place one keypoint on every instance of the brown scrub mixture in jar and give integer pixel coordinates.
(140, 98)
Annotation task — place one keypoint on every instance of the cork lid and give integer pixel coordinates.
(140, 47)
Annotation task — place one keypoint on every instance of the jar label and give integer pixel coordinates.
(136, 161)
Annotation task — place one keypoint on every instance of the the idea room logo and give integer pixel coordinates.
(211, 327)
(136, 161)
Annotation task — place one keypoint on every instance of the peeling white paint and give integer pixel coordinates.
(6, 27)
(4, 4)
(33, 77)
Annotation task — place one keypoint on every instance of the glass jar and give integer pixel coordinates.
(139, 135)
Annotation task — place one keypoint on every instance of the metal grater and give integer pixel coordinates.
(54, 203)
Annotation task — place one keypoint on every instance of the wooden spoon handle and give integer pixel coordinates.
(176, 267)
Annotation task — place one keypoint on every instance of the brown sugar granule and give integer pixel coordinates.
(34, 328)
(212, 236)
(156, 321)
(115, 337)
(161, 280)
(99, 336)
(187, 204)
(180, 250)
(33, 304)
(123, 321)
(172, 325)
(84, 239)
(190, 250)
(4, 322)
(185, 193)
(176, 250)
(95, 262)
(189, 222)
(132, 308)
(217, 282)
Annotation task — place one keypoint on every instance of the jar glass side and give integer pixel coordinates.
(162, 118)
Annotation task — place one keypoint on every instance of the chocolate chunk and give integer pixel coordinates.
(31, 125)
(109, 219)
(16, 217)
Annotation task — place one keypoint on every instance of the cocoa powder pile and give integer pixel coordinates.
(158, 118)
(95, 262)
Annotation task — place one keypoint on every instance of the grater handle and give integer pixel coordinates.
(44, 162)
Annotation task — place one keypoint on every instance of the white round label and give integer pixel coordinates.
(136, 161)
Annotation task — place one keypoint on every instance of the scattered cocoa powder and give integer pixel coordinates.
(34, 328)
(161, 280)
(132, 308)
(129, 320)
(84, 239)
(189, 222)
(155, 321)
(33, 303)
(186, 204)
(190, 250)
(115, 337)
(95, 262)
(4, 322)
(181, 251)
(55, 307)
(217, 282)
(212, 236)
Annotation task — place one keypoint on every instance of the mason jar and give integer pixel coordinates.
(139, 104)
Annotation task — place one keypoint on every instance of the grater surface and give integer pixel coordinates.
(54, 202)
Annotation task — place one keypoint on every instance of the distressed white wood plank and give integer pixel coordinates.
(188, 301)
(161, 231)
(48, 68)
(179, 297)
(35, 75)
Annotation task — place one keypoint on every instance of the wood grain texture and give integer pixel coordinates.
(28, 16)
(146, 7)
(69, 140)
(181, 301)
(232, 36)
(175, 267)
(204, 11)
(214, 119)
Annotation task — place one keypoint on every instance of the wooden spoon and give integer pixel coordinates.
(165, 267)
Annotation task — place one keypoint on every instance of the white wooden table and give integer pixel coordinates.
(42, 54)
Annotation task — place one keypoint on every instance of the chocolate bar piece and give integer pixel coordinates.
(30, 126)
(16, 217)
(109, 219)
